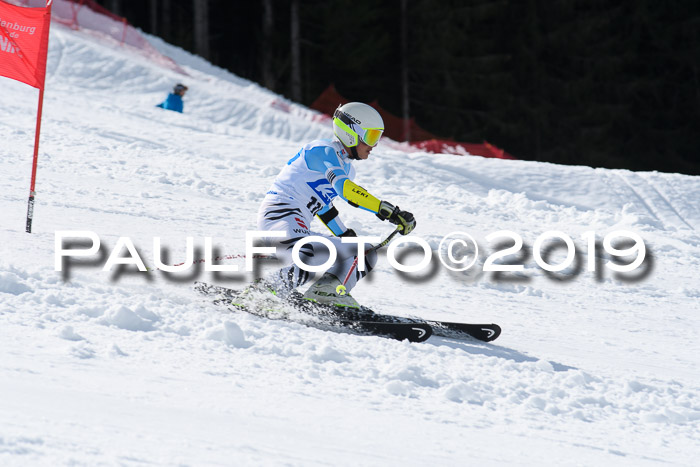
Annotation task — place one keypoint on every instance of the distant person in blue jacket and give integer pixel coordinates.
(174, 99)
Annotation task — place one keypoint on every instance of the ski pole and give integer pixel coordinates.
(340, 290)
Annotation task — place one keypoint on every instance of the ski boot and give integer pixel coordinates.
(328, 290)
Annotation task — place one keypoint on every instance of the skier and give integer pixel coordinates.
(174, 99)
(306, 187)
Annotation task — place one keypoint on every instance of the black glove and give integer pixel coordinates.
(396, 216)
(348, 233)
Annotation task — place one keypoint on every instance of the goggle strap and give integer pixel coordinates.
(343, 117)
(349, 130)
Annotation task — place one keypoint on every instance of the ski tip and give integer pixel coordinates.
(490, 333)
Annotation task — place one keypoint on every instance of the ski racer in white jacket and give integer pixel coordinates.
(306, 187)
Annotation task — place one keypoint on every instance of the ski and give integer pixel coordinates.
(320, 317)
(366, 320)
(482, 332)
(413, 332)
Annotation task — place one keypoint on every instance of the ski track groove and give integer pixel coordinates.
(667, 201)
(639, 198)
(647, 202)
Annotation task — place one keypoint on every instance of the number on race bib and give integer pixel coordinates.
(314, 206)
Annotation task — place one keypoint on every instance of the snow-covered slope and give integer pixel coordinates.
(135, 368)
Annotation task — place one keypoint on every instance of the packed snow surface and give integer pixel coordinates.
(129, 368)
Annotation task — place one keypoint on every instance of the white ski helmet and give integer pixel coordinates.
(356, 121)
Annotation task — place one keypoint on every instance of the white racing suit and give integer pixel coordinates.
(306, 187)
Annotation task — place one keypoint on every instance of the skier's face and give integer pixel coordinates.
(363, 150)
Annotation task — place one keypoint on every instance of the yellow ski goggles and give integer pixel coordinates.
(369, 136)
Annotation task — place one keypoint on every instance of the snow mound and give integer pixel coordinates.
(230, 334)
(128, 319)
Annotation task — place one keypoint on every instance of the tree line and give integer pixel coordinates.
(606, 83)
